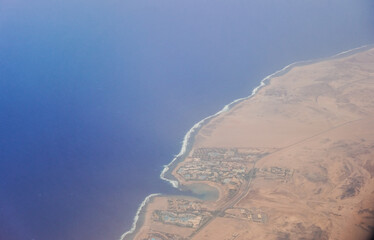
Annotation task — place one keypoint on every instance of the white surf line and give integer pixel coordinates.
(198, 125)
(351, 50)
(227, 107)
(136, 218)
(195, 127)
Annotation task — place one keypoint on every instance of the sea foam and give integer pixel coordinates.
(136, 218)
(187, 138)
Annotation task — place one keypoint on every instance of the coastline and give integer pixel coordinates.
(188, 139)
(137, 218)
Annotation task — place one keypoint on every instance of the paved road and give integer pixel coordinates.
(242, 192)
(244, 189)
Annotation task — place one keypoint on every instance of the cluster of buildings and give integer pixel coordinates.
(218, 165)
(254, 215)
(275, 173)
(180, 219)
(163, 236)
(182, 213)
(183, 205)
(231, 154)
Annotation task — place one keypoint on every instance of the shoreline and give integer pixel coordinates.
(188, 140)
(138, 216)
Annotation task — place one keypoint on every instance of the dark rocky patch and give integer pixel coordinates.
(353, 187)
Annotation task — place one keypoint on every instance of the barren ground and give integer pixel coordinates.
(316, 126)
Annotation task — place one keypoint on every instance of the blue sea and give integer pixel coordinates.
(96, 96)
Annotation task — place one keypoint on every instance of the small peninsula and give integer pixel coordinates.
(293, 161)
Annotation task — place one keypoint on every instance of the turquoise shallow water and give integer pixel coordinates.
(203, 191)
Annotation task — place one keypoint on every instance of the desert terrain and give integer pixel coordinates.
(295, 161)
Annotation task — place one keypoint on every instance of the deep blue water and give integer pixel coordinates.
(95, 96)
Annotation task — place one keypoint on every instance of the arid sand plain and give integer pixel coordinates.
(295, 161)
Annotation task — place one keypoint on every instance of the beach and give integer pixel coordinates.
(244, 128)
(98, 97)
